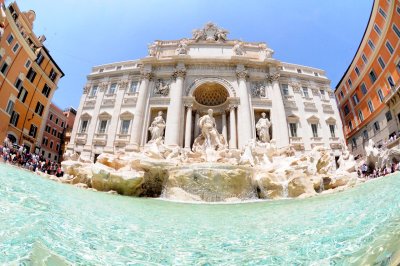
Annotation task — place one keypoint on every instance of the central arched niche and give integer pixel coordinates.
(211, 94)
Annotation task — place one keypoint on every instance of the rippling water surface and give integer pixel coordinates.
(41, 220)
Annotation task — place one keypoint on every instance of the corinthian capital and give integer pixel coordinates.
(242, 74)
(123, 84)
(146, 74)
(103, 86)
(86, 89)
(179, 73)
(273, 77)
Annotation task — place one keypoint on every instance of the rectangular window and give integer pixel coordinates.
(10, 107)
(365, 134)
(119, 67)
(350, 126)
(364, 58)
(376, 126)
(14, 118)
(51, 144)
(364, 89)
(58, 147)
(389, 47)
(293, 129)
(350, 83)
(51, 117)
(31, 75)
(380, 95)
(382, 12)
(355, 99)
(28, 63)
(125, 126)
(56, 121)
(372, 76)
(299, 71)
(39, 108)
(55, 157)
(391, 82)
(133, 87)
(32, 131)
(52, 75)
(388, 115)
(22, 94)
(84, 126)
(15, 48)
(93, 91)
(112, 88)
(62, 124)
(39, 58)
(341, 94)
(346, 110)
(314, 130)
(371, 44)
(305, 92)
(46, 90)
(396, 30)
(316, 74)
(102, 126)
(285, 89)
(381, 62)
(43, 141)
(357, 71)
(360, 115)
(370, 106)
(377, 29)
(10, 38)
(4, 68)
(332, 130)
(18, 83)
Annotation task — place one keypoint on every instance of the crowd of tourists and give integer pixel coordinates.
(19, 156)
(365, 172)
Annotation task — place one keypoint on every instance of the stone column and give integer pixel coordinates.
(224, 129)
(174, 114)
(138, 120)
(278, 115)
(188, 130)
(244, 112)
(196, 121)
(232, 127)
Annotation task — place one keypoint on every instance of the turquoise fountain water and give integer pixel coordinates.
(39, 217)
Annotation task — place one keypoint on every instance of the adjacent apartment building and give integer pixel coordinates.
(368, 93)
(53, 135)
(70, 114)
(28, 80)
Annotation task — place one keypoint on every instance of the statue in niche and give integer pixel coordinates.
(209, 137)
(262, 128)
(162, 88)
(182, 47)
(157, 127)
(238, 48)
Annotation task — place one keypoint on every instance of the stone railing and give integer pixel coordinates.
(310, 106)
(327, 108)
(81, 138)
(108, 102)
(89, 104)
(296, 140)
(100, 138)
(129, 101)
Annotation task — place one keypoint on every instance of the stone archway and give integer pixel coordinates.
(210, 94)
(211, 80)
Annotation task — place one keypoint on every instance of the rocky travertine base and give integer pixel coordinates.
(274, 175)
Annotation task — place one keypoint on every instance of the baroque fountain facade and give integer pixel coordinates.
(208, 119)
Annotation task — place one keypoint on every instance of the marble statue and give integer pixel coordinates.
(372, 154)
(157, 127)
(152, 49)
(221, 35)
(209, 137)
(182, 47)
(198, 34)
(262, 127)
(238, 48)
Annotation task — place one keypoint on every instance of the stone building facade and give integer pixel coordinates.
(184, 78)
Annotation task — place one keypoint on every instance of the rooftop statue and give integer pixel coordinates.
(210, 32)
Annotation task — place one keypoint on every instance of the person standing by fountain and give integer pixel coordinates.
(262, 127)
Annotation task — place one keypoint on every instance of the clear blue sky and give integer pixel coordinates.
(81, 34)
